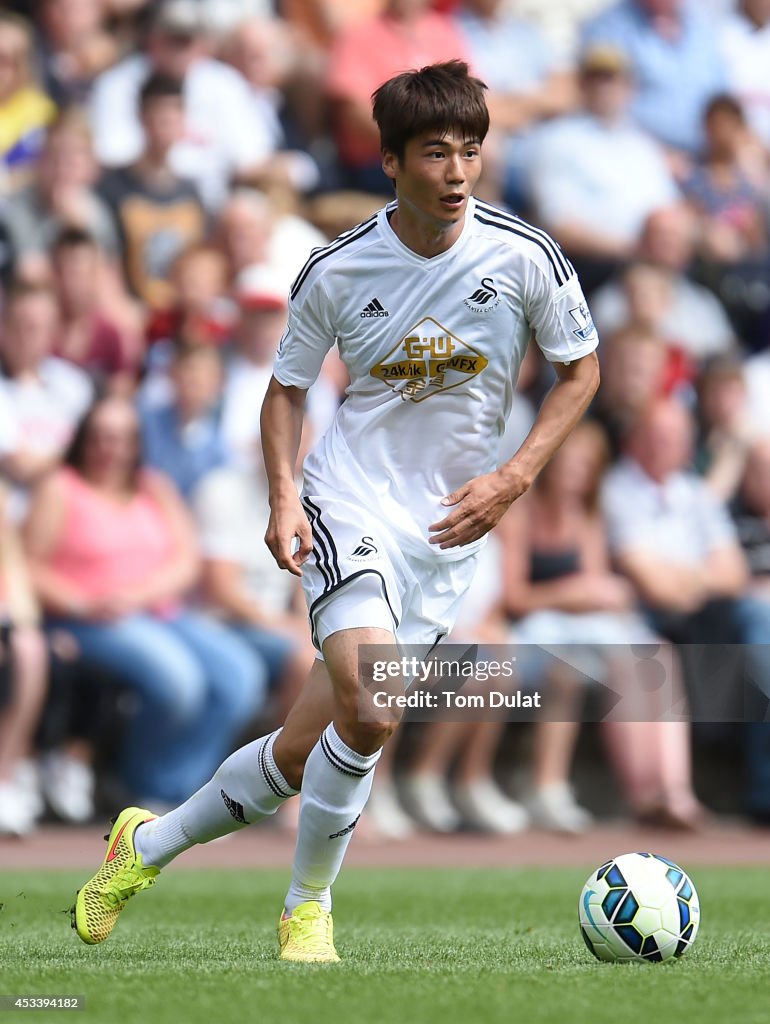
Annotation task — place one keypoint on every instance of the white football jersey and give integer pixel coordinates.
(433, 348)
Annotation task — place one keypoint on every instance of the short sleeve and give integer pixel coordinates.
(216, 509)
(718, 528)
(308, 336)
(559, 315)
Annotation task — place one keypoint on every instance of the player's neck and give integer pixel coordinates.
(423, 235)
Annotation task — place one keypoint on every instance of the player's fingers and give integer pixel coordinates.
(445, 524)
(305, 545)
(455, 496)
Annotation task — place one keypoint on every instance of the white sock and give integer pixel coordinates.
(247, 787)
(335, 787)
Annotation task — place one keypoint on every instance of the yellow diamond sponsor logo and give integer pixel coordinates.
(428, 360)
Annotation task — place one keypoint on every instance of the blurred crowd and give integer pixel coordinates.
(166, 166)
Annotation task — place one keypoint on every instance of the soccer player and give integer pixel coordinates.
(431, 302)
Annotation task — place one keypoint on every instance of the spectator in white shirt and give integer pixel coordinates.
(224, 138)
(596, 177)
(670, 535)
(42, 397)
(684, 313)
(745, 43)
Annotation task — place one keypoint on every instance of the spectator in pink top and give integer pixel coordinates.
(113, 553)
(407, 35)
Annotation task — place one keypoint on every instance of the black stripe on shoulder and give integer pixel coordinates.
(511, 218)
(558, 272)
(328, 250)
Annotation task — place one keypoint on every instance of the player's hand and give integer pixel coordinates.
(479, 506)
(287, 522)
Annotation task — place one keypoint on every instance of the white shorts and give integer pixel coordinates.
(357, 576)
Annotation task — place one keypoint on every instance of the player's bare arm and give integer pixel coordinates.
(281, 427)
(481, 503)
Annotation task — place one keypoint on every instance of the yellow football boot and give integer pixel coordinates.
(307, 935)
(122, 874)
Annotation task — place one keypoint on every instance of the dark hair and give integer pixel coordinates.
(74, 457)
(185, 349)
(159, 86)
(21, 289)
(724, 103)
(440, 97)
(71, 236)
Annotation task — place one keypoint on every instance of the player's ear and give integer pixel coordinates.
(390, 163)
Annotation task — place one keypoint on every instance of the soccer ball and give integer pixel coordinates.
(638, 907)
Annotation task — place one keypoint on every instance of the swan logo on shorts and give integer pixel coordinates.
(366, 548)
(429, 359)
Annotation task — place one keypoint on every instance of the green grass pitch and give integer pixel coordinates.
(450, 946)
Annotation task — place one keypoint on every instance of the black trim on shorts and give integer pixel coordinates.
(338, 586)
(323, 527)
(319, 546)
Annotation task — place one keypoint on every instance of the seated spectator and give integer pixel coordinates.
(75, 47)
(673, 50)
(199, 305)
(222, 136)
(113, 553)
(670, 535)
(526, 86)
(262, 301)
(595, 177)
(61, 195)
(564, 596)
(23, 682)
(364, 54)
(264, 52)
(689, 316)
(253, 234)
(87, 335)
(744, 38)
(725, 432)
(158, 212)
(242, 584)
(634, 364)
(728, 205)
(25, 111)
(42, 397)
(183, 439)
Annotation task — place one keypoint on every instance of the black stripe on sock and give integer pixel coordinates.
(342, 766)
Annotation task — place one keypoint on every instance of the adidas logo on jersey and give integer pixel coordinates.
(374, 308)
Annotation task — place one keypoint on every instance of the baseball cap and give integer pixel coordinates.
(261, 288)
(178, 18)
(604, 59)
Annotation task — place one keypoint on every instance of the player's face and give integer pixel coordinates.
(436, 175)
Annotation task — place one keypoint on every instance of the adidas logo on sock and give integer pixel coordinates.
(234, 807)
(344, 831)
(374, 308)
